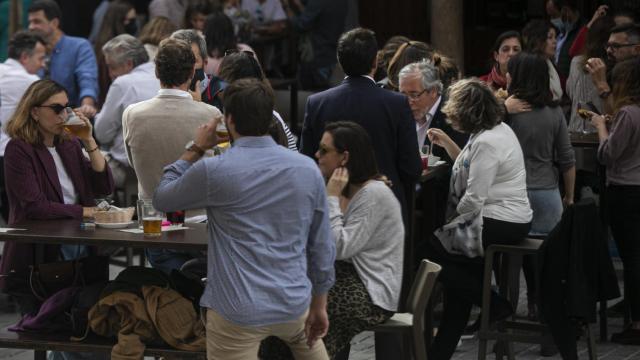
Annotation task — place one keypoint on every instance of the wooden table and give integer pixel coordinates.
(69, 232)
(584, 140)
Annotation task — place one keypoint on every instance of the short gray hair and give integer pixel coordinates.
(192, 37)
(428, 74)
(125, 47)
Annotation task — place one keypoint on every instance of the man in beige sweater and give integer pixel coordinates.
(157, 130)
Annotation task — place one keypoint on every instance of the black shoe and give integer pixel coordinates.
(501, 309)
(628, 336)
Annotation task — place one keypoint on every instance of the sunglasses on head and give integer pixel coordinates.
(57, 108)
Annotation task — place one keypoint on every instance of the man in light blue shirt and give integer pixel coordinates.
(271, 254)
(72, 62)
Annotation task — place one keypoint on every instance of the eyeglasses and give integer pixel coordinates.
(233, 51)
(615, 46)
(414, 96)
(57, 108)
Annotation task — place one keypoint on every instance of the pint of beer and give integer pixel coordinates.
(74, 124)
(151, 220)
(221, 130)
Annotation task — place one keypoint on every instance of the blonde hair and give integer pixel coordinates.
(472, 107)
(22, 125)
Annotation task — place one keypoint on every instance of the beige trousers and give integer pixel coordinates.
(228, 341)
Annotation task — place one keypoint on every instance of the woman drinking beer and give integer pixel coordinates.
(48, 176)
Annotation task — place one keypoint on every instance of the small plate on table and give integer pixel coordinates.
(114, 225)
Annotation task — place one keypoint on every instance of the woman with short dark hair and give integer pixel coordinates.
(619, 151)
(488, 205)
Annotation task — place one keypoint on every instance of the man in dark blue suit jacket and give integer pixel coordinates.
(384, 114)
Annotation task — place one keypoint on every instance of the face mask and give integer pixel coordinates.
(198, 76)
(131, 28)
(557, 22)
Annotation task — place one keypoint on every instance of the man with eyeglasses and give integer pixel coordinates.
(421, 84)
(623, 44)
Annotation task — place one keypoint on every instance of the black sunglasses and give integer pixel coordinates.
(57, 108)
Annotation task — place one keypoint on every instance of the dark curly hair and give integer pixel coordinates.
(175, 62)
(534, 35)
(472, 107)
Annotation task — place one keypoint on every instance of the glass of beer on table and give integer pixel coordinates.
(151, 220)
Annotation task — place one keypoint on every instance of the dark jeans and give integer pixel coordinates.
(461, 280)
(624, 219)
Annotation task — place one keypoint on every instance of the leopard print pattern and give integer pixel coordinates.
(350, 311)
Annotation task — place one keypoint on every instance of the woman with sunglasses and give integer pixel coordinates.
(366, 222)
(48, 175)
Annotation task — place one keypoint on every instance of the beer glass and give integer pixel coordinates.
(151, 220)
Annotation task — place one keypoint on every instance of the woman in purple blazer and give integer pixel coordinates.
(47, 175)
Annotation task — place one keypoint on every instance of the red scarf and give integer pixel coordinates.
(496, 80)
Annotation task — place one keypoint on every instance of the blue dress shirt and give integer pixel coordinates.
(270, 243)
(73, 65)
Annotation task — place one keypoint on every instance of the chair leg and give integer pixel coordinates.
(591, 343)
(482, 350)
(129, 256)
(486, 301)
(603, 321)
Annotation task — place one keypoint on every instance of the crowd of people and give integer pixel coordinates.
(307, 249)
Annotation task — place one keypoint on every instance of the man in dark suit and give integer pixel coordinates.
(421, 84)
(384, 114)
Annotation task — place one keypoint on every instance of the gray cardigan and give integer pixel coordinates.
(545, 144)
(371, 236)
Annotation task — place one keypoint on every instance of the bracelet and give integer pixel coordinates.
(92, 150)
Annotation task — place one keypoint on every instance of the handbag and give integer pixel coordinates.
(48, 278)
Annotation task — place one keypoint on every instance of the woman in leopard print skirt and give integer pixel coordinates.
(366, 223)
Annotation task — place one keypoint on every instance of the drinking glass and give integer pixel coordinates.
(151, 220)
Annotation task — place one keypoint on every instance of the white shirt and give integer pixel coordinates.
(497, 183)
(69, 194)
(421, 129)
(270, 10)
(14, 81)
(175, 92)
(138, 85)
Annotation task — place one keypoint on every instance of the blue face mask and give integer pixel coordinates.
(557, 22)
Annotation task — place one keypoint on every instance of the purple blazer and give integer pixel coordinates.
(34, 192)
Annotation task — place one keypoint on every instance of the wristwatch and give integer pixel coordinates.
(193, 147)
